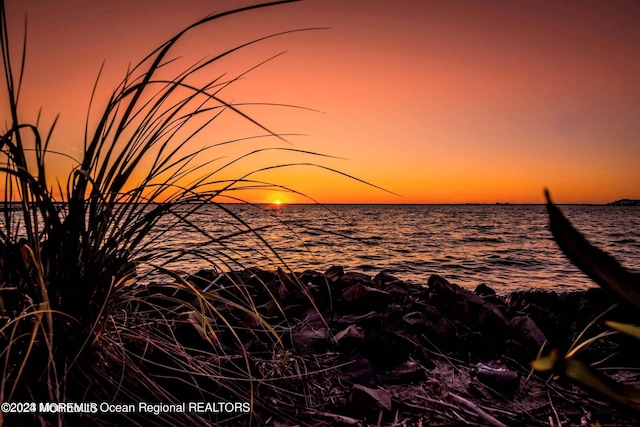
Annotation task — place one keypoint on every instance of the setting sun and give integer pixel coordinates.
(278, 198)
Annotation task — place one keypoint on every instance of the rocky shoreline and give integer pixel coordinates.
(394, 353)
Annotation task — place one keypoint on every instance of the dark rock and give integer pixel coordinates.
(357, 372)
(445, 330)
(350, 336)
(464, 306)
(500, 380)
(318, 287)
(370, 320)
(484, 290)
(526, 332)
(334, 273)
(294, 310)
(353, 278)
(555, 325)
(392, 318)
(314, 319)
(441, 285)
(492, 322)
(191, 332)
(384, 280)
(469, 309)
(405, 373)
(310, 339)
(203, 278)
(517, 351)
(429, 311)
(361, 297)
(548, 300)
(269, 308)
(285, 288)
(313, 277)
(366, 401)
(252, 276)
(477, 345)
(397, 291)
(385, 350)
(417, 321)
(424, 357)
(418, 291)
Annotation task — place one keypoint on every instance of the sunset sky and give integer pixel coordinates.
(437, 101)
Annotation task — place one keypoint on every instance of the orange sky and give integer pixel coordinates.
(440, 102)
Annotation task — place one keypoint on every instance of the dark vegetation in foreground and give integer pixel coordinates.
(73, 327)
(373, 351)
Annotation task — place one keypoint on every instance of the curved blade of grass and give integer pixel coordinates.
(586, 343)
(582, 373)
(584, 330)
(625, 328)
(595, 380)
(601, 267)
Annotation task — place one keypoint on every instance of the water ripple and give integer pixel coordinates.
(508, 247)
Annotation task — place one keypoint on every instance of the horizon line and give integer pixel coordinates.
(379, 203)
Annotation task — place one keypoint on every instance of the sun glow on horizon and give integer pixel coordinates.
(490, 107)
(278, 198)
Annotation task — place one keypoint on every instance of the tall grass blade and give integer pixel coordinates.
(625, 328)
(601, 267)
(584, 374)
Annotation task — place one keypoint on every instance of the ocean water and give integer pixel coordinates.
(507, 247)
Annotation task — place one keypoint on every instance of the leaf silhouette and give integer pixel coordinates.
(601, 267)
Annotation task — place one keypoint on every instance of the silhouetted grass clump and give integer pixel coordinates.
(75, 325)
